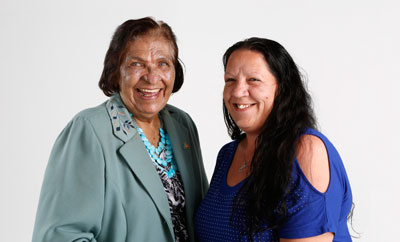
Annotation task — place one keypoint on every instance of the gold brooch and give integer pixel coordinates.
(185, 145)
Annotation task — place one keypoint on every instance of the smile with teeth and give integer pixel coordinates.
(149, 92)
(242, 106)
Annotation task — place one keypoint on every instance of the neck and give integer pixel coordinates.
(248, 147)
(150, 129)
(250, 143)
(144, 124)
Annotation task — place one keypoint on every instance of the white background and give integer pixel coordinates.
(51, 56)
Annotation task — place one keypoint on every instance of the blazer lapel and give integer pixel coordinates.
(135, 154)
(181, 148)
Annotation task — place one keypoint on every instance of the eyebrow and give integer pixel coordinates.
(130, 57)
(251, 73)
(228, 73)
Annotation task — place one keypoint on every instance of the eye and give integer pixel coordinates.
(229, 79)
(252, 79)
(164, 63)
(136, 64)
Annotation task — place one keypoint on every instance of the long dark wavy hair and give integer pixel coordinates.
(263, 194)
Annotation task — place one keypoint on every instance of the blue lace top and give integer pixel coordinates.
(311, 212)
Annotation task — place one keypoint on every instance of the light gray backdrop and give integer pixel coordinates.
(51, 55)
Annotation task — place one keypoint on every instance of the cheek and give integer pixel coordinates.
(130, 77)
(124, 76)
(266, 94)
(269, 101)
(169, 77)
(226, 93)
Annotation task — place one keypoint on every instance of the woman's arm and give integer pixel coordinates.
(313, 160)
(72, 196)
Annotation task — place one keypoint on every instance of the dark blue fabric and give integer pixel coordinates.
(311, 212)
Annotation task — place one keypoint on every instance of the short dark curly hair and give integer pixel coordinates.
(126, 32)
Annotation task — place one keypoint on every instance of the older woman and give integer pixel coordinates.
(129, 169)
(280, 179)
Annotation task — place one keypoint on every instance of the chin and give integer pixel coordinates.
(249, 129)
(245, 129)
(244, 124)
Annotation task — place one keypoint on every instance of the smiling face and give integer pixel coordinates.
(249, 90)
(147, 75)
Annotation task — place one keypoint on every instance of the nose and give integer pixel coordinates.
(240, 88)
(152, 75)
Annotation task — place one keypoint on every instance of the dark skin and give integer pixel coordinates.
(146, 82)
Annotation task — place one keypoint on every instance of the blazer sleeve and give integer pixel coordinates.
(72, 197)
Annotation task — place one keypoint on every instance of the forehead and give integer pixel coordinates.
(246, 60)
(154, 44)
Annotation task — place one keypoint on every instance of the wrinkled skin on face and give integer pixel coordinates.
(147, 76)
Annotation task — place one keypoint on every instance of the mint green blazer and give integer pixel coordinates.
(100, 184)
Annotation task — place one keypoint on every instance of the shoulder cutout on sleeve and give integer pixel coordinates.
(313, 160)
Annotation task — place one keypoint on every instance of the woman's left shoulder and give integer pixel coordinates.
(312, 144)
(312, 157)
(179, 115)
(318, 136)
(318, 159)
(174, 110)
(321, 142)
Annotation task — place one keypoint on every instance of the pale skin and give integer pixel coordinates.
(147, 76)
(249, 93)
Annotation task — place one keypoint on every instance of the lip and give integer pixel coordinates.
(242, 107)
(148, 93)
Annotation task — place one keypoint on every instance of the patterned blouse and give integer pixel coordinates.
(176, 199)
(173, 187)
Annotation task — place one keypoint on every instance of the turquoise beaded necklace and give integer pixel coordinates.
(162, 155)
